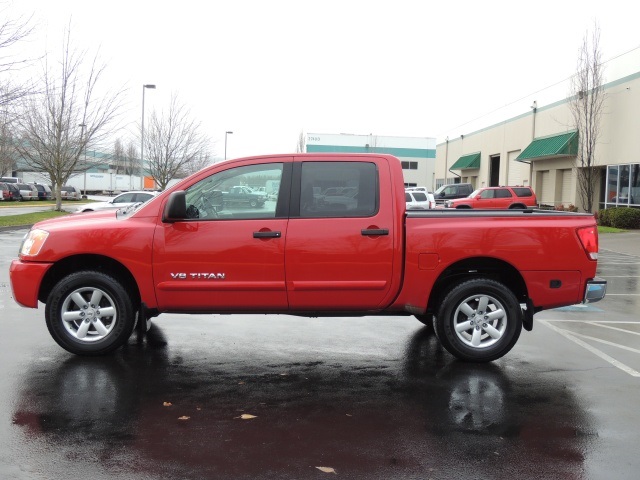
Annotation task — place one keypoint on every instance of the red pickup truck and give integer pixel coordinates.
(477, 277)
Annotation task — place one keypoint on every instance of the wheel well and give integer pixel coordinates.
(463, 206)
(517, 205)
(79, 263)
(477, 267)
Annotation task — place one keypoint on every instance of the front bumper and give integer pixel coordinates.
(595, 291)
(26, 278)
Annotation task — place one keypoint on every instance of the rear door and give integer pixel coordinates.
(340, 240)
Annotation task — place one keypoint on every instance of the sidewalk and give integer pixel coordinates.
(627, 242)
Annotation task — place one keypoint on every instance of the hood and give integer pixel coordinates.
(76, 221)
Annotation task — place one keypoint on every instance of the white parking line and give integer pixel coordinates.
(598, 324)
(595, 351)
(623, 294)
(606, 342)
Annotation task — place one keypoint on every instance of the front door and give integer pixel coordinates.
(228, 255)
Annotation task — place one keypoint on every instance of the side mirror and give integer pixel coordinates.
(176, 207)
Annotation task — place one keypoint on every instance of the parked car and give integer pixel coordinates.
(34, 192)
(68, 192)
(4, 192)
(451, 191)
(416, 200)
(497, 197)
(119, 201)
(14, 193)
(44, 191)
(25, 192)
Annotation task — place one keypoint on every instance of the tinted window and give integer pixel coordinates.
(503, 193)
(339, 189)
(523, 192)
(407, 197)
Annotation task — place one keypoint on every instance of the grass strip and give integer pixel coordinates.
(28, 218)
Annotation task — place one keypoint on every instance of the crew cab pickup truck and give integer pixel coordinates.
(476, 277)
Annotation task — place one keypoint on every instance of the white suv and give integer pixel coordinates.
(417, 200)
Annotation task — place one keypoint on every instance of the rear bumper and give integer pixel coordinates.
(595, 291)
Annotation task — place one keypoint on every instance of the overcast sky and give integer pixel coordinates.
(268, 70)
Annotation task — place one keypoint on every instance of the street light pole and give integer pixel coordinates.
(225, 143)
(142, 137)
(83, 126)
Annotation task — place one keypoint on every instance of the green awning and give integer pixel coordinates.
(467, 161)
(565, 144)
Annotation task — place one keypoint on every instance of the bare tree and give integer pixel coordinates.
(174, 143)
(586, 105)
(57, 123)
(301, 146)
(12, 32)
(195, 166)
(119, 157)
(7, 148)
(132, 159)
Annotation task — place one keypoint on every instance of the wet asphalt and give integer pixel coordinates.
(275, 397)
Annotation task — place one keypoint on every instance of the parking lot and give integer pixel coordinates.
(259, 396)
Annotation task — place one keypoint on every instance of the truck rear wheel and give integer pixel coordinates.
(89, 313)
(479, 320)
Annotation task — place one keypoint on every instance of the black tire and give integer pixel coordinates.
(517, 206)
(104, 321)
(253, 203)
(494, 335)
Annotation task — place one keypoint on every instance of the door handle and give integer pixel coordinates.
(267, 234)
(375, 231)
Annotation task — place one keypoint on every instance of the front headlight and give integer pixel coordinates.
(33, 242)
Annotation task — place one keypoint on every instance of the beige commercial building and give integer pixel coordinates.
(539, 147)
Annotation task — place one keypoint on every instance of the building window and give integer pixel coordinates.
(623, 185)
(409, 165)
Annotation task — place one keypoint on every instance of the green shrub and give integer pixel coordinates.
(619, 217)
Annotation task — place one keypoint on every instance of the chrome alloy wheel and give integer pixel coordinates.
(480, 321)
(89, 314)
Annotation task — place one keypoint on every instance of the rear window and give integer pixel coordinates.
(523, 192)
(3, 187)
(419, 196)
(407, 197)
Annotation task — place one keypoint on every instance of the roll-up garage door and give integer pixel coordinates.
(518, 171)
(567, 186)
(545, 195)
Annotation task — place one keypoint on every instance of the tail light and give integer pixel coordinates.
(589, 238)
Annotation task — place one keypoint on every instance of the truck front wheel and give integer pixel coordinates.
(89, 313)
(479, 320)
